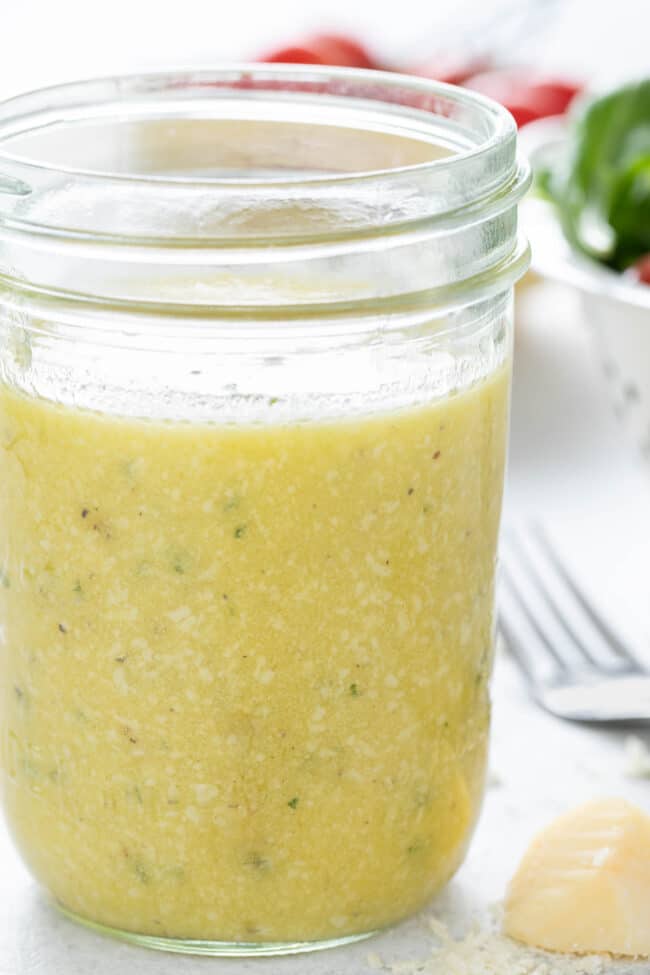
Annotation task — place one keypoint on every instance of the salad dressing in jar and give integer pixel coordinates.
(255, 335)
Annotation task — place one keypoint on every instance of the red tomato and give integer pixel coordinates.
(527, 96)
(292, 55)
(641, 269)
(341, 50)
(523, 114)
(558, 94)
(452, 70)
(334, 49)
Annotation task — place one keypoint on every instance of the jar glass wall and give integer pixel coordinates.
(255, 338)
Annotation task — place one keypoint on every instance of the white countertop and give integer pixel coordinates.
(569, 465)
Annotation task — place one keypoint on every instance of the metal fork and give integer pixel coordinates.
(577, 666)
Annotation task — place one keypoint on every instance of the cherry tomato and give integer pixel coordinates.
(333, 49)
(523, 114)
(641, 269)
(292, 55)
(527, 96)
(453, 70)
(557, 94)
(341, 50)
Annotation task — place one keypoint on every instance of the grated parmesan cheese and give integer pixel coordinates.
(637, 758)
(483, 951)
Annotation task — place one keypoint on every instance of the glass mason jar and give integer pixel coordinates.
(255, 331)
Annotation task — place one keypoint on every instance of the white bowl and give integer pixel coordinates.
(616, 309)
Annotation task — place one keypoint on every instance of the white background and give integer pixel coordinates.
(53, 40)
(569, 465)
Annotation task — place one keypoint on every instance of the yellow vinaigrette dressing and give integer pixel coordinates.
(244, 668)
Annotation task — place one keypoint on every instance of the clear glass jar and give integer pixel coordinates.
(255, 331)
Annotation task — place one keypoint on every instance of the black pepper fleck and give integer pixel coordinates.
(257, 861)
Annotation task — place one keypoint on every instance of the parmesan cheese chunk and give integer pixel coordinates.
(584, 884)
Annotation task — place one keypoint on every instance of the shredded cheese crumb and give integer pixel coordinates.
(494, 780)
(483, 951)
(637, 758)
(374, 961)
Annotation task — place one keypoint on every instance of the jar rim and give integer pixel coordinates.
(58, 97)
(157, 220)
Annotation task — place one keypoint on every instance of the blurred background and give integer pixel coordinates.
(45, 42)
(572, 463)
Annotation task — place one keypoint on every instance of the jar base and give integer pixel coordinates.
(215, 949)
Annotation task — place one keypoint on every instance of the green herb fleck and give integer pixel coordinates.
(274, 400)
(257, 861)
(240, 531)
(63, 628)
(422, 798)
(354, 690)
(141, 872)
(78, 588)
(181, 561)
(231, 503)
(293, 803)
(135, 793)
(4, 579)
(133, 468)
(31, 769)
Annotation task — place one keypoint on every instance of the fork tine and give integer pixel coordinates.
(598, 622)
(511, 630)
(559, 617)
(518, 647)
